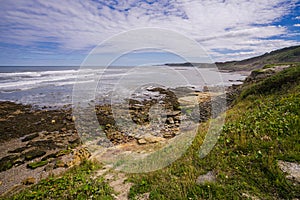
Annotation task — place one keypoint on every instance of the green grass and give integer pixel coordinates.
(34, 165)
(278, 82)
(280, 64)
(74, 184)
(262, 128)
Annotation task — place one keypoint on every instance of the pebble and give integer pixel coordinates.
(142, 141)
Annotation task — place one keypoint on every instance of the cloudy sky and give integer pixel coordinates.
(64, 32)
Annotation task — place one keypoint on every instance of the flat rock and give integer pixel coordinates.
(152, 139)
(30, 137)
(35, 153)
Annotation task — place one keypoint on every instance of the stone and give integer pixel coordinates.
(142, 141)
(28, 181)
(53, 121)
(30, 137)
(18, 150)
(171, 120)
(152, 139)
(209, 177)
(43, 144)
(168, 135)
(7, 162)
(35, 153)
(292, 170)
(64, 129)
(174, 113)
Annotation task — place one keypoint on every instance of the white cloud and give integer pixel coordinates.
(298, 17)
(78, 25)
(296, 25)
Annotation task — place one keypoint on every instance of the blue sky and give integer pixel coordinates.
(38, 32)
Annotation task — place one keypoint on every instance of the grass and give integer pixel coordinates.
(278, 82)
(280, 64)
(262, 128)
(34, 165)
(74, 184)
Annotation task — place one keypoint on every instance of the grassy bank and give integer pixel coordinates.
(261, 128)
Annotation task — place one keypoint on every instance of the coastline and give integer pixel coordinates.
(39, 142)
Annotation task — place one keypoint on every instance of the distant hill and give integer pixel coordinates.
(281, 56)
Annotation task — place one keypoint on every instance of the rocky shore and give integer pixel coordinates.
(36, 143)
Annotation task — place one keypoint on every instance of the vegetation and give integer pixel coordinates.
(282, 56)
(34, 165)
(262, 128)
(74, 184)
(278, 82)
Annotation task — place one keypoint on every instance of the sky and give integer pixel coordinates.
(56, 32)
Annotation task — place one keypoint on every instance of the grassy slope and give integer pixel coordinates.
(285, 55)
(242, 160)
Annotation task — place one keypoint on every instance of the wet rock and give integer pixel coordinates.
(18, 150)
(28, 181)
(43, 144)
(7, 162)
(35, 153)
(30, 137)
(49, 156)
(209, 177)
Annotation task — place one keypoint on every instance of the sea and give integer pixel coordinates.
(53, 86)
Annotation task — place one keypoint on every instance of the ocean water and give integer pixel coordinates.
(53, 86)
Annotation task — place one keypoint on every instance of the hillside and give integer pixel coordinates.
(281, 56)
